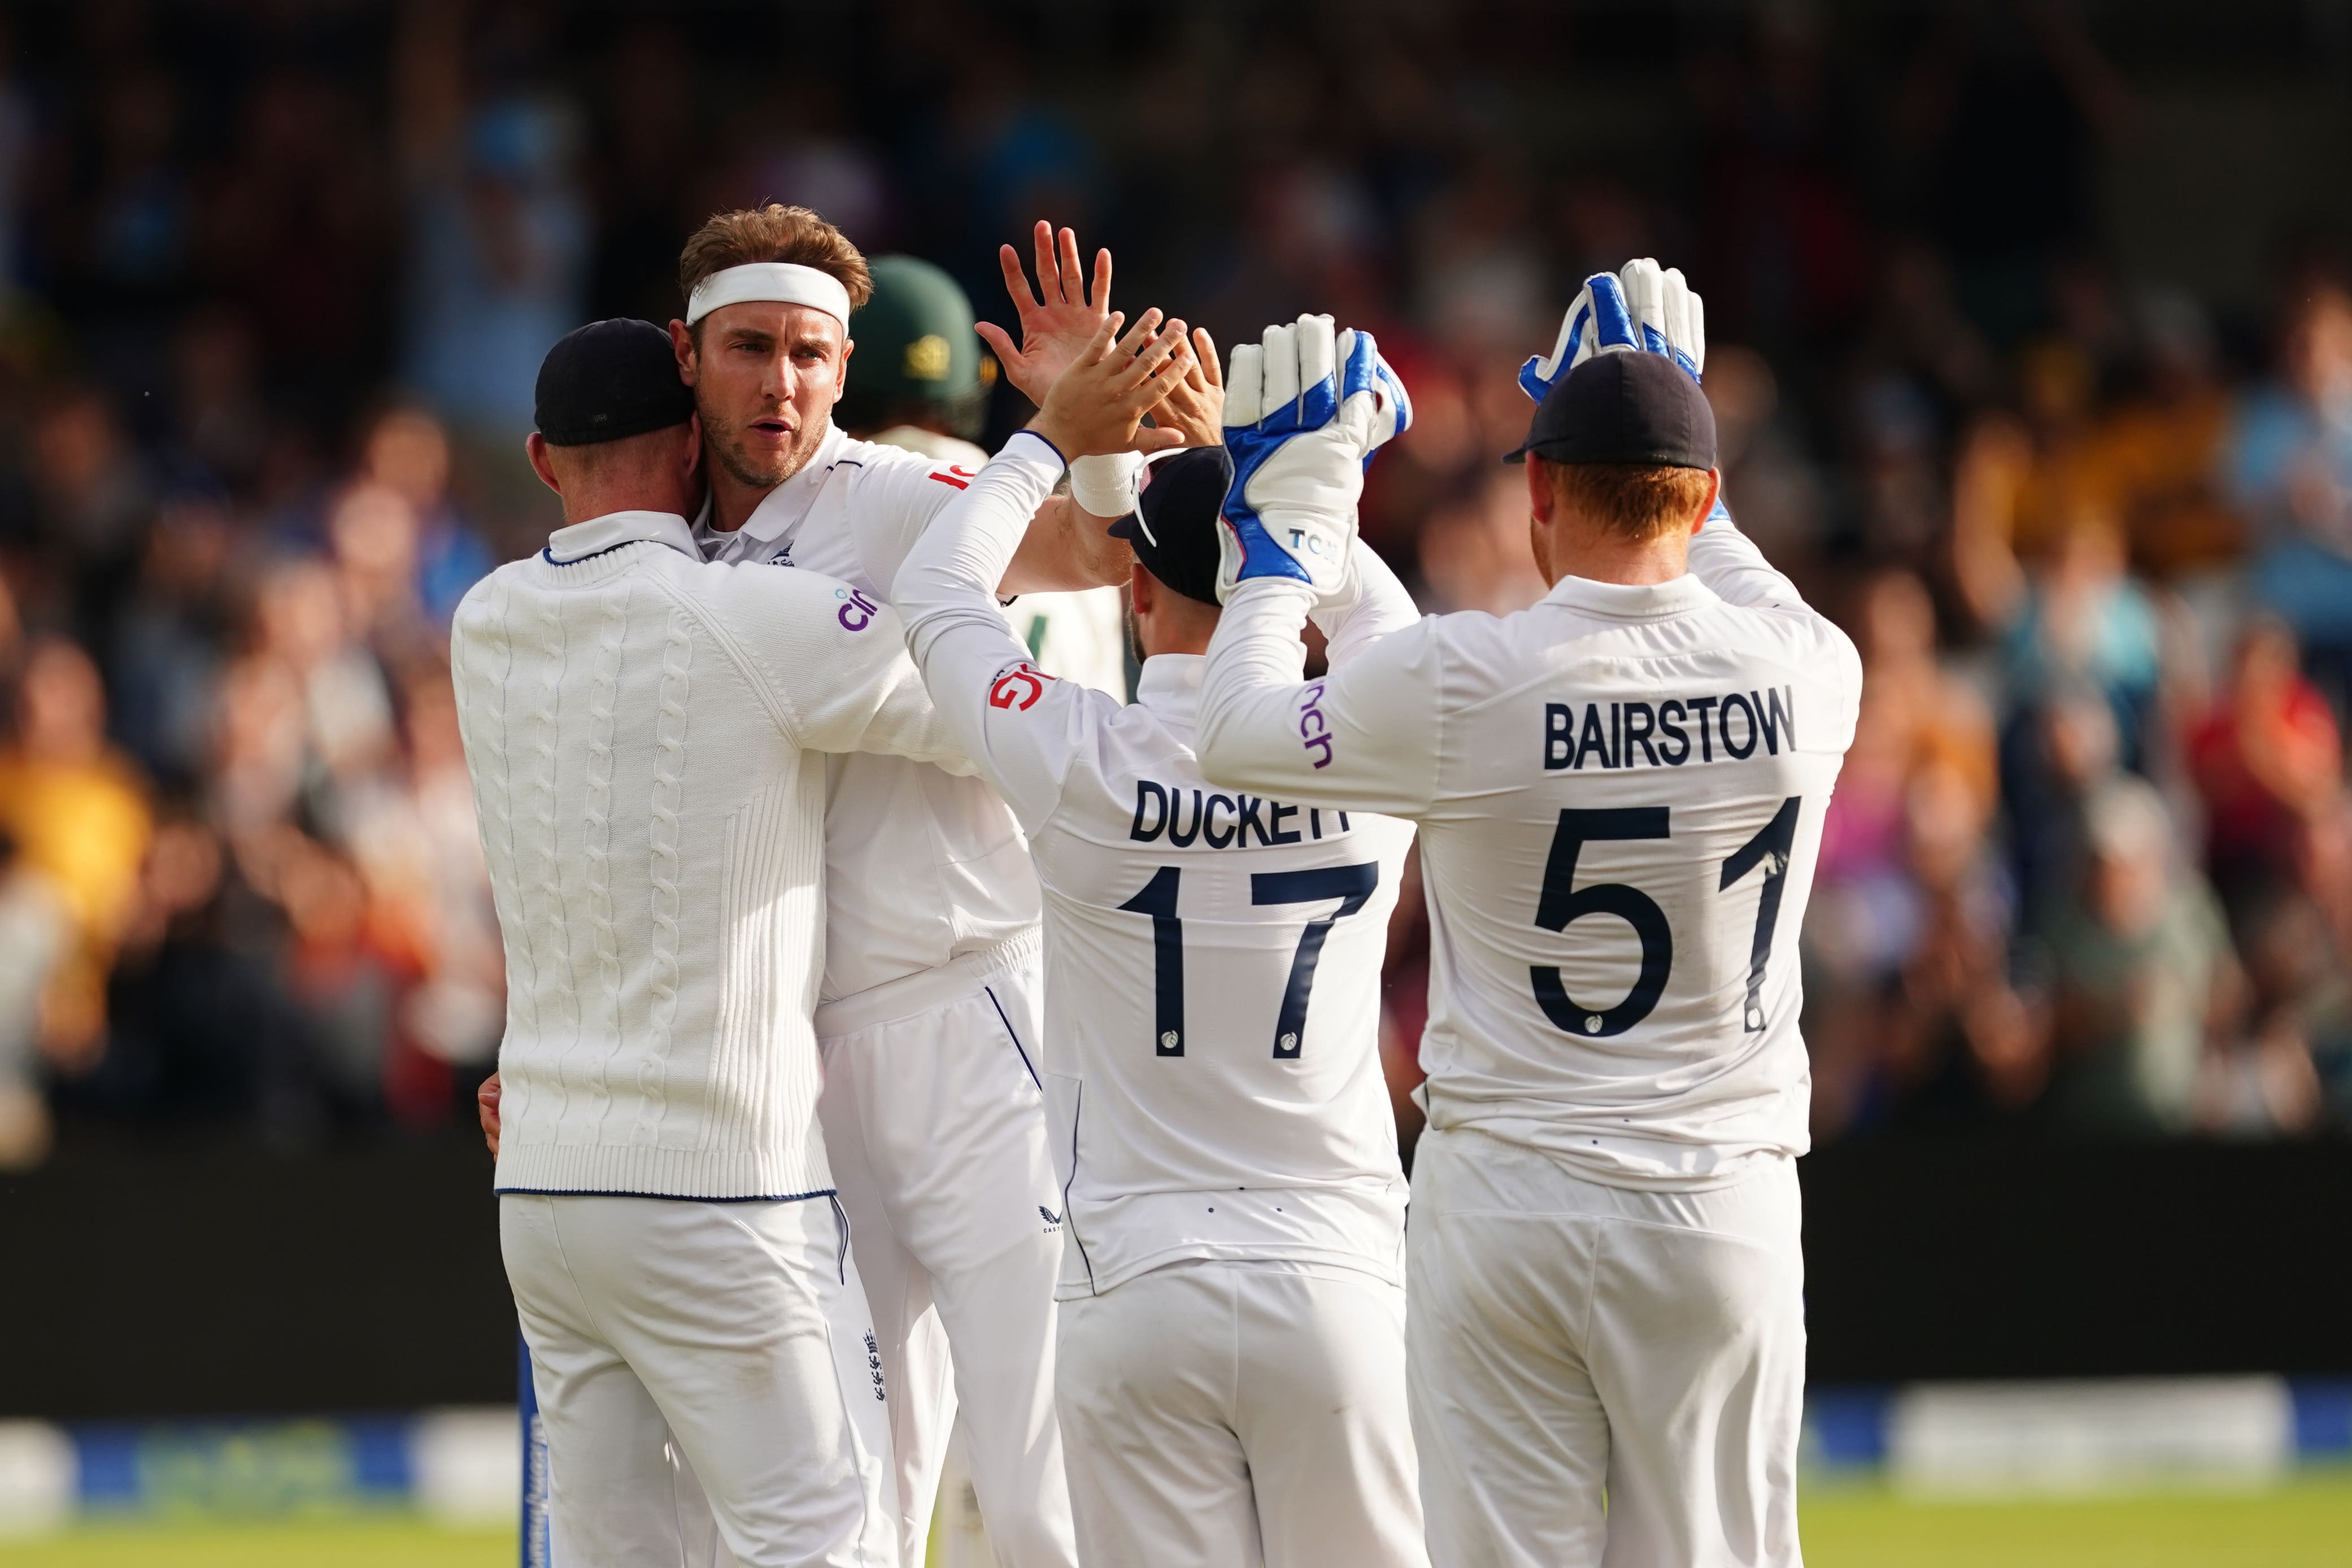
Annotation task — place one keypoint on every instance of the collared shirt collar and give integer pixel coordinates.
(581, 540)
(1632, 600)
(780, 512)
(1170, 688)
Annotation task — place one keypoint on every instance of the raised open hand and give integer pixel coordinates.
(1099, 404)
(1055, 329)
(1195, 405)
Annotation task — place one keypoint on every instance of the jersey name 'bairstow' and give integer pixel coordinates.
(1620, 793)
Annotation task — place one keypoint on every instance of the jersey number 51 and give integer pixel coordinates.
(1562, 901)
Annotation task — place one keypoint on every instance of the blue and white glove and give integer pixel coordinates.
(1638, 309)
(1305, 408)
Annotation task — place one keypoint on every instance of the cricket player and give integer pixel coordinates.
(644, 734)
(929, 1017)
(1232, 1370)
(1620, 793)
(923, 385)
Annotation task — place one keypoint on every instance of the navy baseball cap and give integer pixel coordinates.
(608, 381)
(1638, 408)
(1173, 527)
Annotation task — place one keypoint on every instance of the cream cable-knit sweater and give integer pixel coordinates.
(644, 734)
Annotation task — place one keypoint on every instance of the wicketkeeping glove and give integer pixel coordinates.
(1305, 408)
(1636, 309)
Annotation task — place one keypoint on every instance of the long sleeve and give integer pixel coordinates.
(639, 727)
(1020, 726)
(1373, 604)
(895, 499)
(1367, 735)
(831, 664)
(1727, 561)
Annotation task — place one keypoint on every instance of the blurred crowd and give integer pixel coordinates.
(275, 282)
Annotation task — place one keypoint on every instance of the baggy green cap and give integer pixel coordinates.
(915, 343)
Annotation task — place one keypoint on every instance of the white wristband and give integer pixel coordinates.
(1105, 485)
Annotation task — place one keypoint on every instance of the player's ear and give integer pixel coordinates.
(534, 447)
(1540, 500)
(1714, 489)
(841, 377)
(681, 343)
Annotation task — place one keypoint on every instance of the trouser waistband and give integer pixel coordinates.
(927, 989)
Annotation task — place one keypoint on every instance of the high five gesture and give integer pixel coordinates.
(1058, 320)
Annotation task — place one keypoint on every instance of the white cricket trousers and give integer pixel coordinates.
(936, 1128)
(698, 1363)
(1570, 1339)
(1240, 1415)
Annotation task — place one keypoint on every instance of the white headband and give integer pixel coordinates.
(779, 282)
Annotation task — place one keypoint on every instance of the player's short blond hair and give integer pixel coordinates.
(772, 233)
(1634, 501)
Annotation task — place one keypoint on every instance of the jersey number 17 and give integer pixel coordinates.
(1353, 886)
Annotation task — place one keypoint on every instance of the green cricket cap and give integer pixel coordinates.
(915, 342)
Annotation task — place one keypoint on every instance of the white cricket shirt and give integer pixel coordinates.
(1620, 793)
(1212, 957)
(1079, 636)
(922, 867)
(643, 733)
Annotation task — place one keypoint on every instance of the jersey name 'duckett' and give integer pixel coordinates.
(1668, 734)
(1160, 810)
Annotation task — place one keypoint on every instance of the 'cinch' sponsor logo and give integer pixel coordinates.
(858, 611)
(1313, 729)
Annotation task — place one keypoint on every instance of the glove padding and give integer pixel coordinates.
(1305, 408)
(1638, 309)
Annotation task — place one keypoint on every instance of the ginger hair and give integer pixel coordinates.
(1632, 501)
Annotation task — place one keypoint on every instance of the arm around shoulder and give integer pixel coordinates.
(1017, 723)
(831, 664)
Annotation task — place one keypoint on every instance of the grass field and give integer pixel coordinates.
(2307, 1525)
(327, 1544)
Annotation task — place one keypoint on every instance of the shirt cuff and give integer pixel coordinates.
(1275, 591)
(1060, 462)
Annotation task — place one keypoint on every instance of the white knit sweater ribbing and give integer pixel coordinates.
(642, 730)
